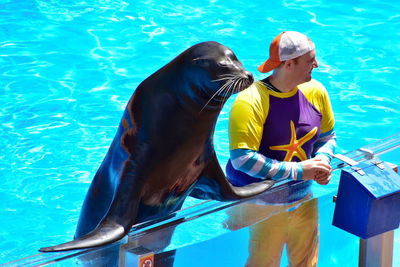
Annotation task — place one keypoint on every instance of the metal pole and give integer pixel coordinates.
(377, 251)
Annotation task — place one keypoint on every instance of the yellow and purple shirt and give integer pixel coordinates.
(270, 132)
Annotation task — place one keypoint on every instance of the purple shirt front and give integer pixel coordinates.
(279, 139)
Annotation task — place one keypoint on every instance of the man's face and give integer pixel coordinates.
(305, 64)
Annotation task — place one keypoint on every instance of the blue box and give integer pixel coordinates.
(368, 200)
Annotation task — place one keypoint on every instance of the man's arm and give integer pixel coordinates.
(258, 166)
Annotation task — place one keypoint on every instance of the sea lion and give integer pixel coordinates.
(163, 149)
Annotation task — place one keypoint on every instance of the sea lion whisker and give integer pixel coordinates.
(227, 84)
(228, 87)
(223, 86)
(228, 75)
(227, 92)
(235, 84)
(245, 82)
(225, 77)
(242, 83)
(238, 83)
(217, 92)
(245, 85)
(231, 89)
(222, 79)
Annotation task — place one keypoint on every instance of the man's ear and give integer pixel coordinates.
(289, 64)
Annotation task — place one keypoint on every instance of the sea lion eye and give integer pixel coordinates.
(234, 58)
(225, 63)
(204, 62)
(231, 56)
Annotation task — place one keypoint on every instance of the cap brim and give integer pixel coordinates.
(268, 65)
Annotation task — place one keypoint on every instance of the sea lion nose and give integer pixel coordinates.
(249, 76)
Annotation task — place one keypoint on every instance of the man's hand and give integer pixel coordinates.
(316, 169)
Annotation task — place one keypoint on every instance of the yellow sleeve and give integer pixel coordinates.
(247, 118)
(316, 93)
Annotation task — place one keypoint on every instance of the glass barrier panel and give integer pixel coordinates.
(211, 232)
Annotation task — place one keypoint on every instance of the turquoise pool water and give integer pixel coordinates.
(68, 69)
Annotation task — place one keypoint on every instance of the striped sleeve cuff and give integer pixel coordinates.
(258, 166)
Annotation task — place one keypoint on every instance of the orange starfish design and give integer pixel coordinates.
(294, 149)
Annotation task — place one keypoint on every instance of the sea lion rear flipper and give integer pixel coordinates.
(119, 218)
(213, 184)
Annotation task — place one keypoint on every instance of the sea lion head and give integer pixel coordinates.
(215, 72)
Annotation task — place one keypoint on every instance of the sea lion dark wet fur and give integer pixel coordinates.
(163, 149)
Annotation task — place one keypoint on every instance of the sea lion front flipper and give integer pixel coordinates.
(213, 184)
(119, 218)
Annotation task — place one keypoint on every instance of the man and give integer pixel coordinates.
(282, 127)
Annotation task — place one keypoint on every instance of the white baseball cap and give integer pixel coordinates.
(287, 45)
